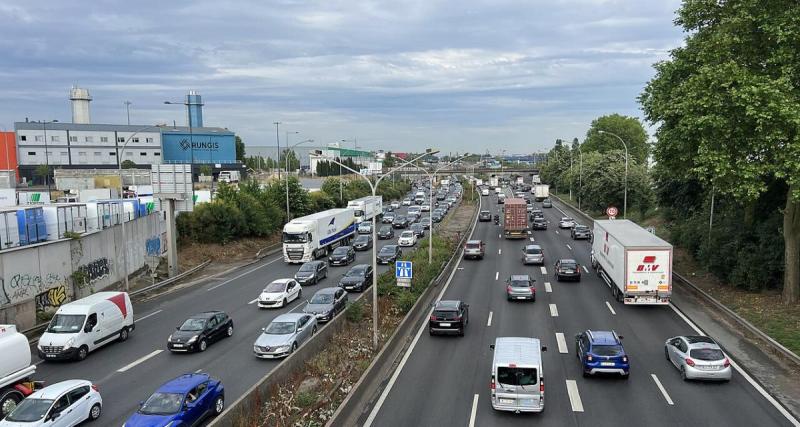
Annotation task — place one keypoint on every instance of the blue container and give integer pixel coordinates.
(32, 228)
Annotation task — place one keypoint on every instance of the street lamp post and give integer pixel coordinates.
(288, 215)
(46, 156)
(374, 188)
(625, 199)
(278, 142)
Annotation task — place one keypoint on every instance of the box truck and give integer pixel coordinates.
(229, 176)
(494, 181)
(313, 236)
(541, 192)
(536, 179)
(15, 369)
(515, 219)
(634, 263)
(366, 208)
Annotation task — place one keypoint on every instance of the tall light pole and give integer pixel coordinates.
(128, 109)
(46, 156)
(286, 140)
(374, 188)
(625, 200)
(288, 216)
(278, 141)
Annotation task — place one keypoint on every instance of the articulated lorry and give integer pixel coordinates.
(540, 192)
(15, 369)
(515, 219)
(366, 208)
(313, 236)
(634, 263)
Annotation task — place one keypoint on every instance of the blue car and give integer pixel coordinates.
(602, 352)
(184, 401)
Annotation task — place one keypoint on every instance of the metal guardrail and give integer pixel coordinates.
(777, 347)
(171, 280)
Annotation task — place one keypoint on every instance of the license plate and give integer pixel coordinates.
(177, 345)
(507, 401)
(50, 355)
(606, 363)
(444, 324)
(521, 297)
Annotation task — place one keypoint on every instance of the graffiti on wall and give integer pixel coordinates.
(51, 298)
(153, 246)
(25, 286)
(94, 271)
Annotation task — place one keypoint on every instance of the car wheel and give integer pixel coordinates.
(283, 304)
(585, 374)
(203, 345)
(666, 354)
(626, 376)
(294, 347)
(461, 332)
(123, 334)
(430, 331)
(230, 331)
(316, 280)
(683, 374)
(313, 330)
(82, 353)
(94, 413)
(9, 401)
(219, 405)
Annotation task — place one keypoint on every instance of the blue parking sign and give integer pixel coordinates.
(403, 270)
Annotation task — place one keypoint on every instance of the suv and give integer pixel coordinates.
(568, 269)
(602, 352)
(581, 232)
(485, 216)
(520, 286)
(474, 249)
(388, 217)
(365, 228)
(449, 317)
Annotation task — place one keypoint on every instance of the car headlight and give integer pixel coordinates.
(69, 343)
(192, 339)
(169, 338)
(282, 348)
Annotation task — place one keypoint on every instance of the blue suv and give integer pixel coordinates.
(184, 401)
(602, 352)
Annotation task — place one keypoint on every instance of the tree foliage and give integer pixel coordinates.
(630, 129)
(240, 150)
(128, 164)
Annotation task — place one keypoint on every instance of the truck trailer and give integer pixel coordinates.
(540, 192)
(515, 219)
(634, 263)
(313, 236)
(15, 369)
(366, 208)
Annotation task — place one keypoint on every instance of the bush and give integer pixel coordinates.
(355, 312)
(217, 222)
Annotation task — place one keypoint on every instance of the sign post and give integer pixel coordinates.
(612, 212)
(403, 272)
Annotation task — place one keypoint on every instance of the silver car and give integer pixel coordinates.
(326, 303)
(532, 254)
(698, 357)
(566, 222)
(284, 334)
(520, 286)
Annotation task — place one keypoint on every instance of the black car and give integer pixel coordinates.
(388, 218)
(581, 232)
(311, 273)
(386, 232)
(358, 278)
(389, 254)
(418, 229)
(485, 216)
(568, 269)
(362, 242)
(537, 213)
(400, 222)
(426, 222)
(200, 330)
(343, 255)
(539, 224)
(449, 317)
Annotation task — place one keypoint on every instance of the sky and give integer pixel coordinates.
(398, 75)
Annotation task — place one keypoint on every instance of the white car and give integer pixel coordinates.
(426, 208)
(407, 238)
(406, 202)
(63, 404)
(395, 205)
(566, 222)
(279, 293)
(485, 192)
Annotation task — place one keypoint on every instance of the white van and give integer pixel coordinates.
(517, 376)
(87, 324)
(420, 198)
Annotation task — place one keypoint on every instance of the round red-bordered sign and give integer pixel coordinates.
(612, 211)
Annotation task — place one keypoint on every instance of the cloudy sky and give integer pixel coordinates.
(458, 75)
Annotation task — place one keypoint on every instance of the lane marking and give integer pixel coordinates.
(198, 371)
(557, 232)
(244, 274)
(497, 275)
(663, 390)
(562, 343)
(547, 287)
(532, 239)
(474, 410)
(139, 360)
(741, 372)
(489, 322)
(553, 310)
(611, 309)
(574, 396)
(499, 236)
(253, 301)
(585, 269)
(544, 270)
(499, 252)
(148, 315)
(299, 303)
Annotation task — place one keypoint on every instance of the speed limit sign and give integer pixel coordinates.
(612, 212)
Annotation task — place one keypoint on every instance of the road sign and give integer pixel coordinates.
(612, 212)
(403, 270)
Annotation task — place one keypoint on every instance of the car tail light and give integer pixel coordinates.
(491, 385)
(541, 385)
(508, 289)
(433, 317)
(94, 387)
(727, 363)
(689, 362)
(533, 289)
(589, 357)
(457, 319)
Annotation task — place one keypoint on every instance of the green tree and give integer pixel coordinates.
(205, 170)
(239, 149)
(128, 164)
(217, 222)
(728, 107)
(42, 171)
(299, 201)
(630, 129)
(294, 162)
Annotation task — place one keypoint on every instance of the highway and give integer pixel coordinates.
(444, 381)
(127, 373)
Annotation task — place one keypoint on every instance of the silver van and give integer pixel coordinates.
(517, 376)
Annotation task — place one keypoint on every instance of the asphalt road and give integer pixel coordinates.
(445, 380)
(127, 373)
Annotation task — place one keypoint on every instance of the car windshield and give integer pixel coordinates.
(607, 350)
(294, 237)
(356, 272)
(340, 251)
(706, 354)
(309, 267)
(386, 229)
(280, 328)
(193, 325)
(387, 250)
(30, 410)
(321, 299)
(275, 287)
(445, 314)
(520, 284)
(473, 245)
(568, 265)
(400, 218)
(485, 213)
(533, 251)
(365, 225)
(362, 239)
(516, 376)
(66, 323)
(407, 234)
(581, 228)
(162, 404)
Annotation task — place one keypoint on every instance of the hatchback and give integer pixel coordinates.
(200, 330)
(485, 216)
(566, 222)
(547, 203)
(418, 229)
(311, 273)
(539, 223)
(365, 228)
(407, 238)
(698, 357)
(67, 403)
(279, 293)
(284, 335)
(386, 232)
(388, 218)
(581, 232)
(389, 254)
(343, 255)
(567, 269)
(186, 400)
(326, 303)
(362, 242)
(532, 254)
(601, 352)
(520, 287)
(400, 222)
(449, 317)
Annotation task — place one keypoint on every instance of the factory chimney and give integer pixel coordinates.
(194, 109)
(80, 105)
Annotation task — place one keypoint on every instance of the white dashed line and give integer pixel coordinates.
(489, 322)
(253, 301)
(544, 270)
(611, 309)
(553, 310)
(496, 275)
(574, 396)
(663, 390)
(585, 269)
(499, 236)
(547, 287)
(474, 411)
(557, 232)
(139, 360)
(499, 252)
(562, 343)
(149, 315)
(532, 239)
(569, 247)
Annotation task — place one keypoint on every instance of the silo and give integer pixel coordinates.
(80, 105)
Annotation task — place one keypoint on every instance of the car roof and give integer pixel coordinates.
(521, 351)
(520, 277)
(533, 247)
(54, 391)
(604, 338)
(567, 261)
(447, 305)
(284, 281)
(363, 236)
(205, 314)
(289, 317)
(696, 339)
(315, 262)
(340, 248)
(406, 232)
(183, 383)
(389, 247)
(475, 242)
(565, 217)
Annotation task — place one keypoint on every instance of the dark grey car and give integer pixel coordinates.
(389, 254)
(311, 273)
(362, 242)
(386, 232)
(343, 255)
(358, 278)
(326, 303)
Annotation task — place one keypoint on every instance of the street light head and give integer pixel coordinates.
(601, 131)
(316, 152)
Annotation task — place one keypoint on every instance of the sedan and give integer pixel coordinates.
(407, 238)
(698, 358)
(581, 232)
(395, 204)
(388, 218)
(326, 303)
(532, 254)
(357, 279)
(400, 222)
(437, 217)
(547, 203)
(566, 222)
(64, 404)
(343, 255)
(200, 330)
(365, 227)
(418, 229)
(485, 216)
(311, 273)
(279, 293)
(449, 317)
(386, 232)
(568, 269)
(186, 400)
(284, 334)
(426, 222)
(520, 286)
(539, 223)
(389, 254)
(406, 202)
(362, 242)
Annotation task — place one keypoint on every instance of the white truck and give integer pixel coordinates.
(634, 263)
(444, 183)
(366, 208)
(536, 179)
(229, 176)
(494, 181)
(15, 369)
(312, 236)
(478, 182)
(540, 192)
